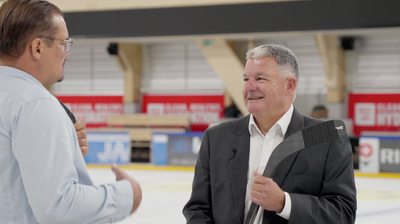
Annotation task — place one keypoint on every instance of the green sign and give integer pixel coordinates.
(207, 43)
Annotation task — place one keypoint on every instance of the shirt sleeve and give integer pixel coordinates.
(287, 208)
(45, 145)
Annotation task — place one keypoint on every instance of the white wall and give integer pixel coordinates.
(91, 70)
(180, 67)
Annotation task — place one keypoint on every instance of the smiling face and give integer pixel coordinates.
(267, 94)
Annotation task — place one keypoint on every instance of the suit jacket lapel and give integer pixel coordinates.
(239, 164)
(296, 124)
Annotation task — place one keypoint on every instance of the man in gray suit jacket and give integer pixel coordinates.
(314, 185)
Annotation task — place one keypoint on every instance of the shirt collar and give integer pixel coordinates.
(7, 71)
(283, 122)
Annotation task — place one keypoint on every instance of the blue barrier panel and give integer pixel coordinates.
(109, 147)
(159, 150)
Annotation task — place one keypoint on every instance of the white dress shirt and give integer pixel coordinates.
(43, 176)
(261, 148)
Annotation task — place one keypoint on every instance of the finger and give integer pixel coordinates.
(257, 187)
(255, 200)
(255, 173)
(82, 134)
(256, 194)
(257, 177)
(114, 167)
(260, 179)
(119, 174)
(269, 181)
(79, 125)
(83, 142)
(84, 150)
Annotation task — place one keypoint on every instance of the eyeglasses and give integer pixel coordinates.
(67, 43)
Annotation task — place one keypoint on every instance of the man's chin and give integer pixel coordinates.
(61, 79)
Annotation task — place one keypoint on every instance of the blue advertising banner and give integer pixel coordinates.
(177, 149)
(109, 147)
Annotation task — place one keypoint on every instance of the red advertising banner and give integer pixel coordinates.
(202, 109)
(374, 112)
(93, 110)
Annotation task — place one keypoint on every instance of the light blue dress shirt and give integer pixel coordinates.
(43, 176)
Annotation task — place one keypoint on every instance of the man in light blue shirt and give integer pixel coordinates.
(43, 177)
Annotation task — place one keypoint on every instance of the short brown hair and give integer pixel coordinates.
(23, 20)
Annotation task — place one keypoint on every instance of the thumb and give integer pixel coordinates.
(255, 173)
(117, 171)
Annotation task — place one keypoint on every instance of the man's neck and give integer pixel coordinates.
(266, 121)
(14, 63)
(6, 62)
(23, 64)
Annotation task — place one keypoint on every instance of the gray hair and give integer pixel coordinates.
(284, 57)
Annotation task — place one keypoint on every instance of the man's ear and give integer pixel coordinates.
(291, 84)
(36, 48)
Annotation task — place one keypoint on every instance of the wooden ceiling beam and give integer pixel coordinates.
(333, 58)
(228, 66)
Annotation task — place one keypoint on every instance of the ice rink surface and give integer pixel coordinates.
(166, 191)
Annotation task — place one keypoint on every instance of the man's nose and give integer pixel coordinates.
(250, 84)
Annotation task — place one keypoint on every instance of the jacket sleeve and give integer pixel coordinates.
(198, 210)
(336, 203)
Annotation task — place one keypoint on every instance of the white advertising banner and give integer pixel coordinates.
(369, 155)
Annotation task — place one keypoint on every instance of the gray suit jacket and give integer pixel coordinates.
(319, 179)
